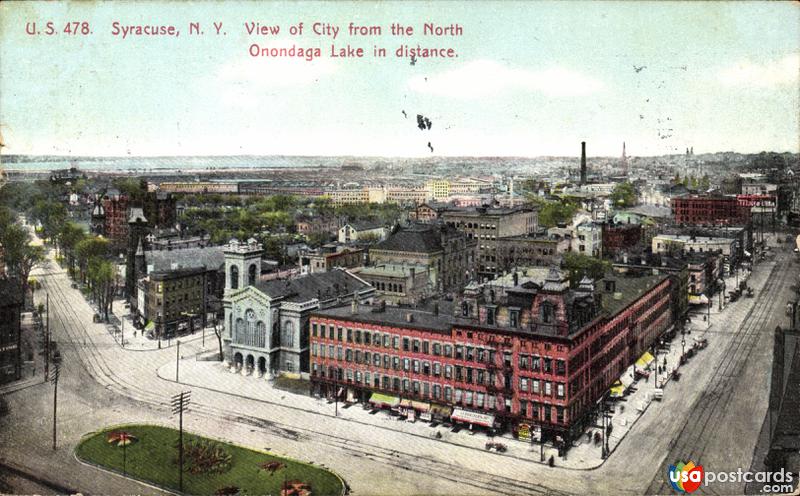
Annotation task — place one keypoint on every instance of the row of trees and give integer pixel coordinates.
(690, 181)
(88, 259)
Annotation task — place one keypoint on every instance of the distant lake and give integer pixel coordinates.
(47, 163)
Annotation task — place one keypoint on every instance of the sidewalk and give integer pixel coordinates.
(216, 376)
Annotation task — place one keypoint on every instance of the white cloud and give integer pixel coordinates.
(770, 73)
(485, 77)
(243, 79)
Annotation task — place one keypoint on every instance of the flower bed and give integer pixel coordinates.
(226, 468)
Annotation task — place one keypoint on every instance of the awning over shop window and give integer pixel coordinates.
(441, 410)
(416, 405)
(698, 299)
(150, 326)
(645, 359)
(421, 406)
(384, 399)
(470, 417)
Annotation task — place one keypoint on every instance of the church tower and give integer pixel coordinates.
(137, 228)
(242, 264)
(242, 269)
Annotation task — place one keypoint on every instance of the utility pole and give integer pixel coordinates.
(54, 380)
(655, 359)
(47, 337)
(180, 402)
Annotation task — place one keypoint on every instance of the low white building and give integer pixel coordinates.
(355, 231)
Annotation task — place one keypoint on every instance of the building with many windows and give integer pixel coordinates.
(448, 254)
(487, 225)
(709, 210)
(538, 355)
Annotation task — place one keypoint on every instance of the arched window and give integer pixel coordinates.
(251, 277)
(250, 339)
(261, 334)
(287, 339)
(234, 277)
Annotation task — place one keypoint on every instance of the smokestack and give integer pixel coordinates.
(583, 162)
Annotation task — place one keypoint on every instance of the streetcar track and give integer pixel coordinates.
(94, 364)
(691, 442)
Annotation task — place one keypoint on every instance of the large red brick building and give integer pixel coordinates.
(534, 354)
(619, 237)
(710, 210)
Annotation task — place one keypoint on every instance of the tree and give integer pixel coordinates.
(51, 215)
(579, 265)
(68, 238)
(18, 253)
(624, 195)
(102, 279)
(553, 213)
(88, 249)
(705, 183)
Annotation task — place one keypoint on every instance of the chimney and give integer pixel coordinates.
(583, 162)
(354, 307)
(516, 278)
(409, 317)
(436, 308)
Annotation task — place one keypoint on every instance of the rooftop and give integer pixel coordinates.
(417, 238)
(323, 286)
(210, 258)
(393, 270)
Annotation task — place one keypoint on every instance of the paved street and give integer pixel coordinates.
(104, 384)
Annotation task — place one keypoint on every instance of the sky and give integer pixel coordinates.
(530, 79)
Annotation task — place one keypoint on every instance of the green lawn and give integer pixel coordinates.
(153, 458)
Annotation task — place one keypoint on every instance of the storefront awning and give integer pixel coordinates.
(384, 399)
(471, 417)
(441, 410)
(698, 299)
(645, 359)
(416, 405)
(150, 326)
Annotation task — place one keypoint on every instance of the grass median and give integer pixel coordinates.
(149, 453)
